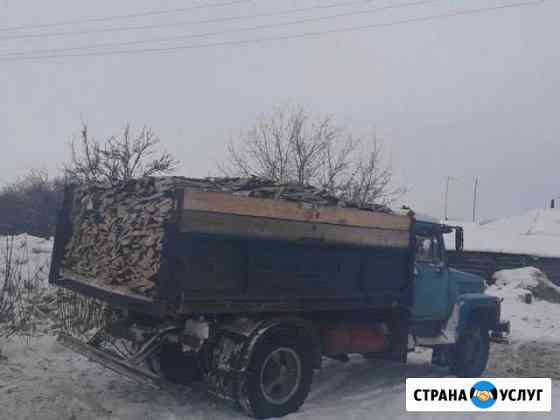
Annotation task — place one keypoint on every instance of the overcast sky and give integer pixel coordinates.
(475, 95)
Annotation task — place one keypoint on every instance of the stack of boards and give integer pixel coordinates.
(117, 231)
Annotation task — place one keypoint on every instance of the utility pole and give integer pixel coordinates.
(475, 192)
(446, 198)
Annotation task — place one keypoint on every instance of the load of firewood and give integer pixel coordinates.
(118, 231)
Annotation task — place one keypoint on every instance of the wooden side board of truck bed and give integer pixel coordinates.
(226, 214)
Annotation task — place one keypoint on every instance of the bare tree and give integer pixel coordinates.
(370, 180)
(118, 158)
(291, 146)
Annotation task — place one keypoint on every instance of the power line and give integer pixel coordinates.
(124, 16)
(183, 23)
(230, 31)
(285, 37)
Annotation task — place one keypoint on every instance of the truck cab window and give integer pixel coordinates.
(428, 249)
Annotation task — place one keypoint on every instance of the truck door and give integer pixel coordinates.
(431, 287)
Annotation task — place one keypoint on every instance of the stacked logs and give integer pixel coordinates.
(118, 230)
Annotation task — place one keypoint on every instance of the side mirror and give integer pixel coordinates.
(459, 238)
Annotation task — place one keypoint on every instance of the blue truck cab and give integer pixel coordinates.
(451, 313)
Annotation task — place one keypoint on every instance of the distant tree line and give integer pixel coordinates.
(29, 204)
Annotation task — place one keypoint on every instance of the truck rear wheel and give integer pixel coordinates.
(471, 353)
(279, 374)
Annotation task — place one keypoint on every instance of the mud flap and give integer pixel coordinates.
(230, 359)
(224, 377)
(399, 342)
(448, 335)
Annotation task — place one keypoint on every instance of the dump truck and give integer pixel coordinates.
(248, 285)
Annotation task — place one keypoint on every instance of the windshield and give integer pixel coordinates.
(428, 249)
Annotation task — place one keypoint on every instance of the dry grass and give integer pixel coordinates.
(22, 301)
(29, 307)
(79, 315)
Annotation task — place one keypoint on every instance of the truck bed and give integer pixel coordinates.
(227, 253)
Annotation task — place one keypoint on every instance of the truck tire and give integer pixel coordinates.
(471, 352)
(279, 374)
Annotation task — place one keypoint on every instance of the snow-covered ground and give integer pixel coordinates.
(24, 291)
(536, 232)
(535, 321)
(39, 379)
(30, 253)
(42, 380)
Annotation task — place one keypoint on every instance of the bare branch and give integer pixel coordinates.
(291, 146)
(118, 158)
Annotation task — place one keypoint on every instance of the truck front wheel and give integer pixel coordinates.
(471, 353)
(279, 375)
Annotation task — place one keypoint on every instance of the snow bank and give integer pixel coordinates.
(537, 233)
(538, 320)
(519, 282)
(26, 300)
(31, 254)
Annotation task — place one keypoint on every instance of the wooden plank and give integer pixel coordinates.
(286, 210)
(260, 227)
(120, 290)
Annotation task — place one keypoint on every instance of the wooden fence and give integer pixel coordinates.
(487, 263)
